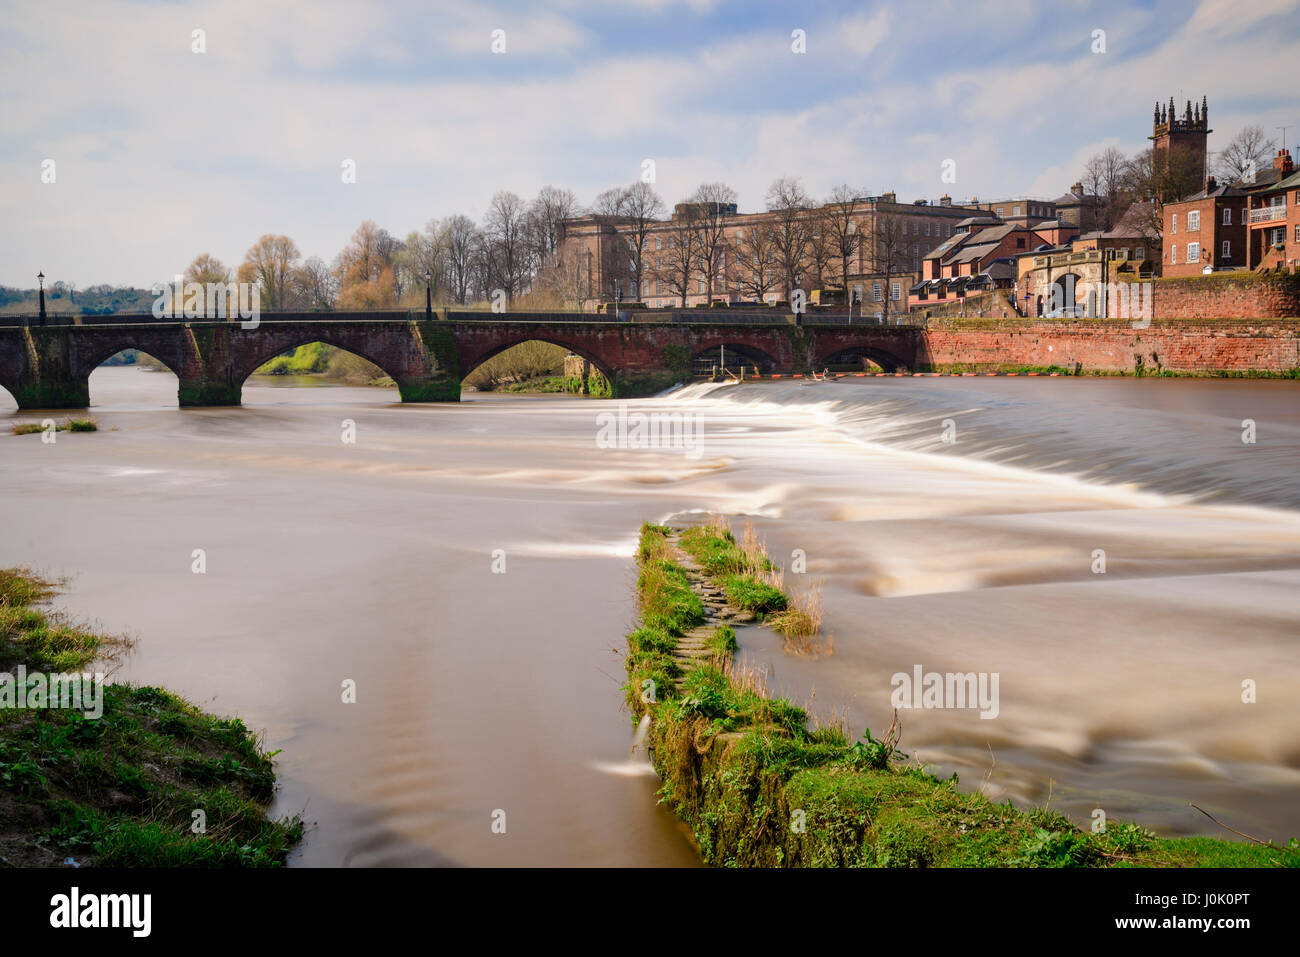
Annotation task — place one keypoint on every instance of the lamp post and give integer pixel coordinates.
(40, 279)
(428, 294)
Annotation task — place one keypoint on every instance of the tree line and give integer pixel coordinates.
(518, 251)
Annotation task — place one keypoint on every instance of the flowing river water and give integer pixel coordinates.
(955, 523)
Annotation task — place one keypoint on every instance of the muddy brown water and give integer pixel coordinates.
(480, 691)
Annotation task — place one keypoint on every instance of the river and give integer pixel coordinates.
(955, 523)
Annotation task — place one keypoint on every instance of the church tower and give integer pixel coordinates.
(1181, 141)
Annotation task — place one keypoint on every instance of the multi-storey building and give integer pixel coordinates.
(1273, 219)
(893, 240)
(1206, 231)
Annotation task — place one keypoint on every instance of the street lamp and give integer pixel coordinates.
(40, 279)
(428, 294)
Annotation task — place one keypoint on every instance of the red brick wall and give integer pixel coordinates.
(1228, 295)
(1113, 346)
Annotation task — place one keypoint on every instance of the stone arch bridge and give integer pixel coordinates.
(49, 366)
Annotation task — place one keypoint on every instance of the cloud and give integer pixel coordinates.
(163, 153)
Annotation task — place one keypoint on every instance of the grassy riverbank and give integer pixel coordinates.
(761, 787)
(122, 789)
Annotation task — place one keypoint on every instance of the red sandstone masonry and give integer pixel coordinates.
(1238, 295)
(1111, 346)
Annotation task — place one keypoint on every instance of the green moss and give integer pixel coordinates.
(759, 789)
(122, 789)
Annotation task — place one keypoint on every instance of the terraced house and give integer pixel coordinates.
(1251, 224)
(1273, 219)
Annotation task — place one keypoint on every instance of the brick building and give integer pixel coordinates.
(1079, 208)
(1205, 232)
(981, 257)
(1273, 212)
(895, 238)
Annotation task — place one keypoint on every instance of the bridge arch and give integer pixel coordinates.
(731, 355)
(564, 342)
(100, 355)
(255, 359)
(846, 355)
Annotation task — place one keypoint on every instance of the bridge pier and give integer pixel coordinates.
(199, 393)
(50, 392)
(41, 365)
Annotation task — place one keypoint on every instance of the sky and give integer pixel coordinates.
(161, 153)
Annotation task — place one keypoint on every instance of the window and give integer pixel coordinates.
(895, 291)
(1020, 243)
(875, 292)
(1175, 223)
(1227, 250)
(1227, 215)
(659, 242)
(916, 228)
(1140, 252)
(1193, 252)
(659, 287)
(1297, 233)
(947, 230)
(927, 229)
(1015, 211)
(701, 286)
(1194, 221)
(1173, 255)
(1001, 210)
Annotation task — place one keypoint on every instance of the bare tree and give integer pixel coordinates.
(641, 210)
(422, 263)
(1105, 175)
(546, 216)
(839, 221)
(789, 205)
(505, 228)
(677, 265)
(887, 249)
(1161, 178)
(754, 253)
(822, 251)
(269, 263)
(206, 268)
(459, 237)
(1244, 154)
(367, 269)
(315, 287)
(713, 205)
